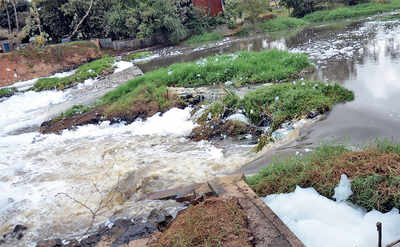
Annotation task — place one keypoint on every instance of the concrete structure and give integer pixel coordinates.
(266, 227)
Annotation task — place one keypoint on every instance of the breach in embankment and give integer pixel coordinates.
(278, 97)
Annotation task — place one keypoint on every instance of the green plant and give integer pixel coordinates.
(204, 38)
(137, 55)
(364, 9)
(282, 23)
(86, 71)
(7, 92)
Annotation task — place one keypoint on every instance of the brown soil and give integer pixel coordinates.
(38, 62)
(216, 129)
(214, 222)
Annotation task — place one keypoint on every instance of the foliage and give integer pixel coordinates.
(204, 38)
(86, 71)
(365, 9)
(282, 23)
(171, 19)
(301, 7)
(253, 8)
(374, 173)
(7, 92)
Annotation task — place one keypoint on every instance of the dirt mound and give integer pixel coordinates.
(39, 62)
(214, 222)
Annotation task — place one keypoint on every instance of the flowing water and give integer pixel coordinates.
(45, 179)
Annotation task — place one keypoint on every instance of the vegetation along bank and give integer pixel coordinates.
(268, 106)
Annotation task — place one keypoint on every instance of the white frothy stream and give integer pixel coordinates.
(88, 162)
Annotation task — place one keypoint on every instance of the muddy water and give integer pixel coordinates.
(103, 161)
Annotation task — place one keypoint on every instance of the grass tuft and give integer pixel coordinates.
(282, 23)
(86, 71)
(137, 55)
(7, 92)
(204, 38)
(242, 68)
(365, 9)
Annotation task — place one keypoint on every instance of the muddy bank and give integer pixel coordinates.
(40, 62)
(142, 109)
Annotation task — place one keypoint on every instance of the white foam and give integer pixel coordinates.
(343, 190)
(22, 110)
(122, 65)
(239, 117)
(24, 85)
(319, 221)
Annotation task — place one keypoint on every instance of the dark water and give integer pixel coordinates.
(362, 56)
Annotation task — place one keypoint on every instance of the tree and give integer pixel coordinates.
(82, 20)
(14, 4)
(4, 5)
(253, 8)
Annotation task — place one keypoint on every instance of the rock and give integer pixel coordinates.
(160, 218)
(16, 234)
(134, 232)
(50, 243)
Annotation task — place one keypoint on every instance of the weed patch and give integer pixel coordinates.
(86, 71)
(374, 171)
(7, 92)
(137, 55)
(365, 9)
(282, 23)
(204, 38)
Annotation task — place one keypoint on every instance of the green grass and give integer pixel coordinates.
(137, 55)
(374, 172)
(204, 38)
(365, 9)
(241, 68)
(278, 103)
(282, 23)
(391, 18)
(86, 71)
(7, 92)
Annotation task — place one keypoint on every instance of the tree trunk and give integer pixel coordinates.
(82, 20)
(8, 19)
(14, 4)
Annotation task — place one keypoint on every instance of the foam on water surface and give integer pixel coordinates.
(122, 65)
(318, 221)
